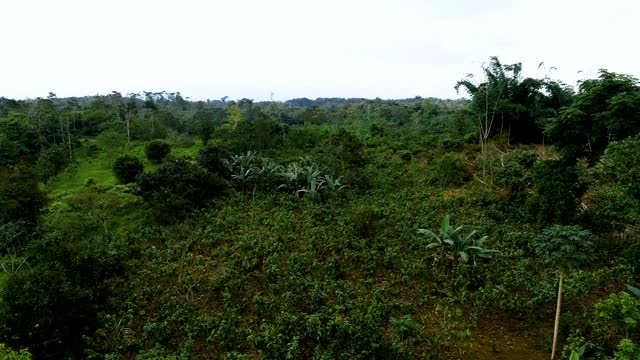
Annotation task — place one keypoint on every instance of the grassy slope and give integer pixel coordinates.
(98, 166)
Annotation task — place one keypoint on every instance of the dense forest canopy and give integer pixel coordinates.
(150, 226)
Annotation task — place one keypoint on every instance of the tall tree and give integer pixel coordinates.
(506, 103)
(605, 109)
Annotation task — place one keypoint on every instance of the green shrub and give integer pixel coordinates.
(453, 245)
(20, 196)
(366, 221)
(8, 354)
(514, 172)
(620, 164)
(610, 209)
(212, 159)
(627, 350)
(90, 181)
(617, 317)
(52, 304)
(178, 187)
(343, 155)
(449, 170)
(557, 192)
(126, 168)
(251, 171)
(157, 150)
(452, 144)
(51, 161)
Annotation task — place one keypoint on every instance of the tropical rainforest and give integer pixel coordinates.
(503, 225)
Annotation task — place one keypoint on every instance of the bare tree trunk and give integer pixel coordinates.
(557, 323)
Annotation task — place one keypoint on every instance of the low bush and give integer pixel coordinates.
(157, 150)
(126, 168)
(178, 187)
(449, 170)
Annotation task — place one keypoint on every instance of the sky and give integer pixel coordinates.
(283, 49)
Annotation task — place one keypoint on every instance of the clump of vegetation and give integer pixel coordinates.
(177, 188)
(20, 196)
(126, 168)
(449, 170)
(557, 192)
(157, 150)
(453, 245)
(212, 158)
(51, 161)
(8, 354)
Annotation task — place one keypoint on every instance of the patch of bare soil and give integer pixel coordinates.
(507, 339)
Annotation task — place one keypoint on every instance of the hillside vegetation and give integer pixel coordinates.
(147, 226)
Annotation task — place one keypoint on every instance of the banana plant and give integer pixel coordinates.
(333, 184)
(313, 181)
(452, 243)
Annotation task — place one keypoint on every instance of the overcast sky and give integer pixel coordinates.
(297, 48)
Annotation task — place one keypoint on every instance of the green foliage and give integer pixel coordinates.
(252, 129)
(112, 142)
(514, 172)
(178, 187)
(14, 238)
(604, 109)
(453, 244)
(366, 221)
(20, 196)
(126, 168)
(95, 211)
(617, 316)
(8, 354)
(50, 305)
(449, 170)
(262, 273)
(452, 144)
(565, 247)
(508, 104)
(205, 121)
(92, 122)
(577, 354)
(620, 165)
(557, 192)
(212, 158)
(343, 154)
(51, 161)
(578, 347)
(251, 171)
(627, 350)
(157, 150)
(17, 141)
(147, 128)
(405, 328)
(610, 209)
(306, 178)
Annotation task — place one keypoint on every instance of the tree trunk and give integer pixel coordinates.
(557, 323)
